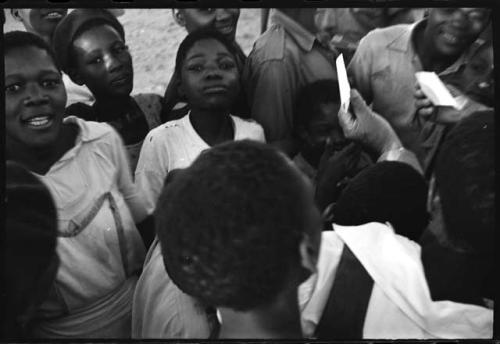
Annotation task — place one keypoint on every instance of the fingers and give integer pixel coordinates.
(358, 104)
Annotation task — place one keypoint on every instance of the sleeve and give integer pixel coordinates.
(402, 155)
(124, 179)
(151, 171)
(271, 90)
(360, 68)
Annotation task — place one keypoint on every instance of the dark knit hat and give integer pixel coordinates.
(389, 191)
(30, 233)
(71, 26)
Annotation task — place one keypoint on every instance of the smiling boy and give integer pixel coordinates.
(384, 66)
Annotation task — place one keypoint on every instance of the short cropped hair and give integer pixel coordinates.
(388, 191)
(230, 225)
(311, 96)
(196, 36)
(465, 180)
(23, 39)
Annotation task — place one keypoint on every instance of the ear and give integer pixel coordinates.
(179, 17)
(309, 253)
(75, 77)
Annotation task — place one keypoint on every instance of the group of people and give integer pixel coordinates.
(246, 202)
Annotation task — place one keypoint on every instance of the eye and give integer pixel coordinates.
(227, 65)
(120, 49)
(12, 88)
(95, 60)
(207, 10)
(195, 68)
(50, 83)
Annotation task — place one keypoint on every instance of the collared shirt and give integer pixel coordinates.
(285, 58)
(99, 246)
(400, 304)
(176, 144)
(383, 69)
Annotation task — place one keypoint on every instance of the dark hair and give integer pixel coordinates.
(389, 191)
(230, 225)
(311, 96)
(73, 25)
(30, 240)
(196, 36)
(23, 39)
(465, 180)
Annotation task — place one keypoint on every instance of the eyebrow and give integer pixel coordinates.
(221, 54)
(43, 72)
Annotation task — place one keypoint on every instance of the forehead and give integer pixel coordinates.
(25, 59)
(98, 36)
(207, 46)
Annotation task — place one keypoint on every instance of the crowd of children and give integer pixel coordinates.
(142, 216)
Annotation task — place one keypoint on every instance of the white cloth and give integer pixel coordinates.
(400, 305)
(160, 309)
(176, 144)
(77, 93)
(99, 247)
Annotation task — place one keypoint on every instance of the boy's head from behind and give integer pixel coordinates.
(40, 21)
(90, 44)
(242, 228)
(209, 76)
(389, 191)
(223, 20)
(316, 119)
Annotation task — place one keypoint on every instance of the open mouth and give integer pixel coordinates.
(54, 16)
(225, 29)
(451, 38)
(39, 122)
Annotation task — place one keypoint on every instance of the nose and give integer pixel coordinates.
(112, 63)
(213, 72)
(35, 95)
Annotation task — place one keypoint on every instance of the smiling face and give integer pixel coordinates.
(479, 75)
(102, 62)
(223, 20)
(209, 76)
(452, 30)
(35, 98)
(41, 21)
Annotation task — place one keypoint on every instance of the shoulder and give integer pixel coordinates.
(166, 131)
(248, 128)
(82, 110)
(380, 38)
(92, 131)
(269, 46)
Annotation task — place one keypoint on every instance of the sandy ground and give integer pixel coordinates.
(153, 37)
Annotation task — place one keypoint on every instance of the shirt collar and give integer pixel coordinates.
(86, 132)
(303, 37)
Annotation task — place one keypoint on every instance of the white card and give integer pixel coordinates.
(344, 87)
(435, 90)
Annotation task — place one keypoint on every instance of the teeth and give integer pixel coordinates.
(450, 37)
(54, 15)
(39, 121)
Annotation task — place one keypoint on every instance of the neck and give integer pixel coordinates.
(112, 107)
(431, 60)
(212, 126)
(279, 320)
(455, 276)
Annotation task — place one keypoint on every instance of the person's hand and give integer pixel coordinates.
(333, 169)
(367, 127)
(424, 106)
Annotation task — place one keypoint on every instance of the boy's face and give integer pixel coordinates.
(103, 62)
(223, 20)
(41, 21)
(324, 126)
(35, 97)
(453, 30)
(478, 74)
(209, 76)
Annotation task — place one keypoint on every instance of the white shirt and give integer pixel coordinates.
(77, 93)
(400, 305)
(99, 247)
(175, 145)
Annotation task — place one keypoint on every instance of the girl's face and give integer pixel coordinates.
(209, 76)
(41, 21)
(223, 20)
(103, 62)
(35, 97)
